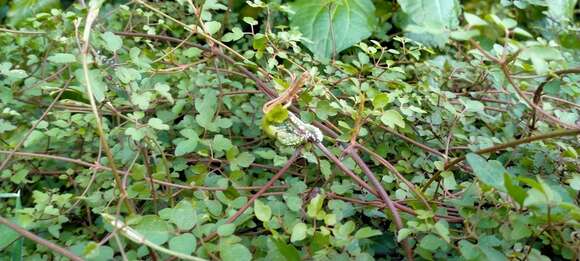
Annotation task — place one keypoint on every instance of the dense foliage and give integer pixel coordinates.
(134, 130)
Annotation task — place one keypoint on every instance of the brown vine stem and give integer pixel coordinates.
(549, 135)
(385, 197)
(222, 161)
(540, 89)
(345, 169)
(381, 204)
(39, 240)
(392, 168)
(538, 92)
(264, 188)
(101, 168)
(535, 107)
(556, 99)
(412, 141)
(91, 16)
(6, 30)
(48, 109)
(503, 64)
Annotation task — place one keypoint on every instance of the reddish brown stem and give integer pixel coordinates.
(264, 188)
(342, 167)
(41, 241)
(385, 197)
(550, 135)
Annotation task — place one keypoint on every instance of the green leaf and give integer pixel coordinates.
(154, 229)
(262, 211)
(141, 61)
(184, 243)
(539, 55)
(277, 114)
(244, 160)
(468, 250)
(298, 232)
(206, 108)
(235, 35)
(367, 232)
(448, 180)
(136, 134)
(113, 42)
(213, 27)
(92, 251)
(220, 143)
(429, 21)
(522, 32)
(516, 192)
(250, 20)
(392, 118)
(288, 251)
(315, 206)
(185, 147)
(235, 252)
(20, 10)
(574, 181)
(141, 100)
(8, 237)
(189, 145)
(542, 196)
(381, 100)
(214, 207)
(189, 133)
(474, 20)
(463, 35)
(182, 215)
(35, 137)
(561, 10)
(333, 26)
(158, 124)
(163, 90)
(192, 52)
(492, 254)
(472, 105)
(99, 87)
(226, 229)
(490, 173)
(404, 233)
(520, 229)
(15, 74)
(294, 203)
(431, 242)
(6, 126)
(442, 228)
(61, 58)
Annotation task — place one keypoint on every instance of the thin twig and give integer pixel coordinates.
(537, 108)
(394, 170)
(264, 188)
(385, 197)
(503, 64)
(91, 16)
(6, 30)
(48, 109)
(105, 168)
(549, 135)
(345, 169)
(538, 93)
(41, 241)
